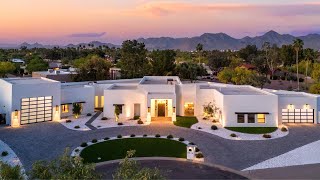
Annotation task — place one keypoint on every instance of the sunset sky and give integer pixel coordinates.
(73, 21)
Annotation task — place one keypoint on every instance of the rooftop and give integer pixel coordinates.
(234, 90)
(289, 93)
(116, 87)
(170, 80)
(28, 80)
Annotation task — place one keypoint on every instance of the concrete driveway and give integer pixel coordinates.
(45, 141)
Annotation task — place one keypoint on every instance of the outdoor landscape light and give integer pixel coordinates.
(16, 114)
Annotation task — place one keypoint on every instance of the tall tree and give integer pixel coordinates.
(133, 62)
(190, 71)
(6, 68)
(199, 49)
(37, 64)
(298, 45)
(163, 62)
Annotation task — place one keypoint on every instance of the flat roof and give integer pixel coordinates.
(116, 87)
(290, 93)
(169, 80)
(234, 90)
(29, 80)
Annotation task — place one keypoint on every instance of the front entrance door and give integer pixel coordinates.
(161, 110)
(2, 119)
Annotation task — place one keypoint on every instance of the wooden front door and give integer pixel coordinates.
(161, 110)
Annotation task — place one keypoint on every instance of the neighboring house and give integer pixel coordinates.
(62, 75)
(30, 100)
(248, 66)
(18, 61)
(115, 73)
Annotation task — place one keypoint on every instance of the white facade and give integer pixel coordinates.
(152, 97)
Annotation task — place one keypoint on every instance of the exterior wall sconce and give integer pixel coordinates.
(174, 109)
(290, 106)
(149, 109)
(57, 108)
(306, 106)
(16, 114)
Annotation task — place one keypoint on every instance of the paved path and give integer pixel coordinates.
(48, 140)
(94, 117)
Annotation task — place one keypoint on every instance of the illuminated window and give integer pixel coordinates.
(102, 101)
(188, 109)
(96, 101)
(261, 118)
(240, 118)
(65, 108)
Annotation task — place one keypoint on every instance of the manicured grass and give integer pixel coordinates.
(253, 130)
(145, 147)
(185, 121)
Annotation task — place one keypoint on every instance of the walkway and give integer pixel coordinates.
(94, 117)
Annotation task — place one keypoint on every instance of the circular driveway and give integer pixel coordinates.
(45, 141)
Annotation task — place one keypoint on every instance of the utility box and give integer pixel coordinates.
(191, 152)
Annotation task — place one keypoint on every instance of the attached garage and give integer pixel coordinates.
(298, 115)
(36, 109)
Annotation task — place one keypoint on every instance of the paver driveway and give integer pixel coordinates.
(48, 140)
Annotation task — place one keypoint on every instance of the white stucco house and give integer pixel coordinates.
(31, 100)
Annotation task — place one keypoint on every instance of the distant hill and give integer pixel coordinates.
(221, 41)
(210, 41)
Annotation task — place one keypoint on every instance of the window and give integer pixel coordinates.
(261, 118)
(189, 109)
(65, 108)
(240, 118)
(119, 106)
(251, 118)
(102, 101)
(96, 101)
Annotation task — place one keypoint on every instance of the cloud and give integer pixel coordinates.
(87, 35)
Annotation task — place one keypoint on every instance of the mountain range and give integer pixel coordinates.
(210, 41)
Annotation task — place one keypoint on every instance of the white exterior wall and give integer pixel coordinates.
(298, 102)
(78, 94)
(203, 97)
(126, 97)
(186, 93)
(6, 100)
(250, 103)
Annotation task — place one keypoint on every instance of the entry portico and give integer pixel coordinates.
(161, 105)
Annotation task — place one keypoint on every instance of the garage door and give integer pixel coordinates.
(297, 115)
(36, 109)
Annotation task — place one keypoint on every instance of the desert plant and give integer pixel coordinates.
(104, 118)
(197, 149)
(214, 127)
(136, 117)
(89, 114)
(10, 172)
(199, 155)
(233, 135)
(284, 129)
(94, 140)
(76, 150)
(106, 138)
(267, 136)
(76, 110)
(120, 124)
(169, 136)
(132, 135)
(140, 122)
(199, 127)
(4, 153)
(117, 112)
(84, 144)
(76, 127)
(68, 121)
(157, 135)
(145, 135)
(181, 139)
(119, 136)
(192, 143)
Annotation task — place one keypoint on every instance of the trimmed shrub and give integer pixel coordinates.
(145, 135)
(89, 114)
(283, 78)
(119, 136)
(233, 135)
(104, 118)
(301, 80)
(68, 121)
(76, 150)
(120, 124)
(197, 149)
(191, 143)
(10, 172)
(157, 135)
(132, 135)
(199, 155)
(199, 127)
(284, 129)
(4, 153)
(136, 117)
(267, 136)
(84, 144)
(106, 138)
(214, 127)
(169, 136)
(77, 127)
(140, 122)
(94, 141)
(181, 139)
(204, 118)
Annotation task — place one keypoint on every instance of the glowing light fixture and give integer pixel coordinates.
(57, 108)
(16, 114)
(306, 106)
(290, 106)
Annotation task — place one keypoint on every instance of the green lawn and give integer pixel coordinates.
(145, 147)
(253, 130)
(185, 121)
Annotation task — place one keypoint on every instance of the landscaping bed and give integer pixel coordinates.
(253, 130)
(145, 147)
(185, 121)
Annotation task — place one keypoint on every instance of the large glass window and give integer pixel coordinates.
(261, 118)
(189, 109)
(65, 108)
(251, 118)
(240, 118)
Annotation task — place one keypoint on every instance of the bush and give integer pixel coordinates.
(119, 136)
(157, 135)
(89, 114)
(233, 135)
(197, 149)
(94, 140)
(169, 136)
(199, 127)
(199, 155)
(181, 139)
(76, 150)
(106, 138)
(204, 118)
(301, 80)
(77, 127)
(214, 127)
(191, 143)
(68, 121)
(290, 88)
(267, 136)
(9, 172)
(145, 135)
(4, 153)
(140, 122)
(283, 78)
(120, 124)
(136, 117)
(284, 129)
(132, 135)
(104, 118)
(275, 77)
(84, 144)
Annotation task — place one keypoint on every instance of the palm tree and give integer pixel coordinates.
(199, 49)
(298, 45)
(309, 55)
